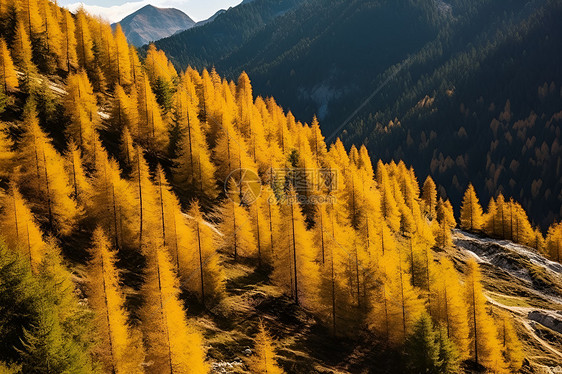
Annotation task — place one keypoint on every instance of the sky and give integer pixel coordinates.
(116, 10)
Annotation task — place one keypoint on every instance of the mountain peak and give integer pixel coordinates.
(151, 23)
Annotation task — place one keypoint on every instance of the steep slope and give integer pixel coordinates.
(151, 23)
(522, 282)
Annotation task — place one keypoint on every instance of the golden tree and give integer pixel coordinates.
(263, 361)
(121, 349)
(19, 229)
(7, 71)
(172, 344)
(471, 211)
(484, 346)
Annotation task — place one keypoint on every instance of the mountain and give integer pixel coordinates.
(213, 41)
(151, 23)
(414, 80)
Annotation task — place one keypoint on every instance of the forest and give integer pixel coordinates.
(128, 190)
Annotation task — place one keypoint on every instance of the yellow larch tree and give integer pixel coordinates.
(70, 57)
(445, 224)
(397, 307)
(8, 73)
(127, 149)
(490, 218)
(449, 308)
(122, 66)
(152, 128)
(42, 176)
(194, 174)
(31, 18)
(484, 346)
(554, 242)
(429, 197)
(264, 359)
(264, 213)
(125, 113)
(19, 228)
(334, 298)
(511, 345)
(146, 216)
(79, 182)
(120, 349)
(21, 51)
(52, 34)
(81, 107)
(172, 344)
(84, 43)
(294, 268)
(236, 229)
(113, 205)
(202, 272)
(231, 154)
(389, 207)
(471, 211)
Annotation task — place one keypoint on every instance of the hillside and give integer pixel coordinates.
(151, 23)
(162, 221)
(454, 66)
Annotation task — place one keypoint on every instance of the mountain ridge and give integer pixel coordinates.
(152, 23)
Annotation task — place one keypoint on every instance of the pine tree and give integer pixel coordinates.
(6, 153)
(471, 211)
(173, 345)
(422, 348)
(60, 337)
(264, 360)
(484, 346)
(120, 350)
(8, 76)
